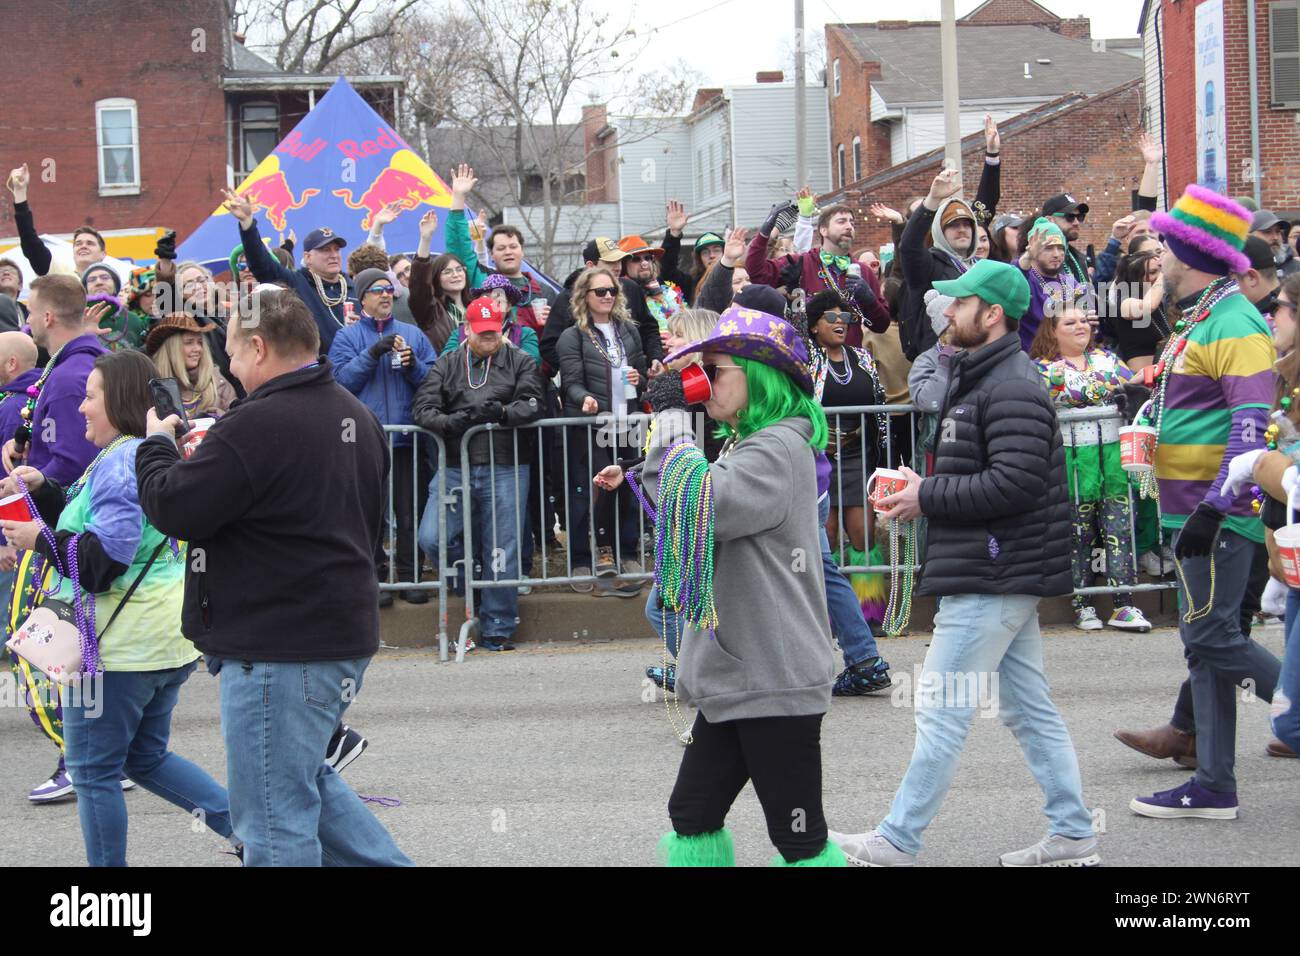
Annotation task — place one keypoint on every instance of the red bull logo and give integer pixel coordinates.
(272, 193)
(406, 181)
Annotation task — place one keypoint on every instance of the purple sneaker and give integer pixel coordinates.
(1189, 800)
(58, 787)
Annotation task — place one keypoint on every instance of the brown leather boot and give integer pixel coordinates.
(1276, 748)
(1162, 743)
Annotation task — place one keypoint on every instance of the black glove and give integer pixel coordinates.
(457, 423)
(859, 290)
(383, 345)
(489, 411)
(166, 246)
(1197, 538)
(665, 392)
(774, 214)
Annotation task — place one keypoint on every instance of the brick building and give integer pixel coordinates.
(143, 137)
(1085, 145)
(1173, 85)
(884, 80)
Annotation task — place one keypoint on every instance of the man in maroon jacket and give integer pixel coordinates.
(818, 270)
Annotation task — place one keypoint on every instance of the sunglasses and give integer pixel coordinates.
(380, 290)
(841, 318)
(605, 292)
(242, 267)
(1072, 216)
(644, 257)
(711, 371)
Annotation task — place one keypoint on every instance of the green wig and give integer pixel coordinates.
(773, 395)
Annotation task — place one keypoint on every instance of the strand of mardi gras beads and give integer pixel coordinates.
(898, 611)
(684, 546)
(1164, 369)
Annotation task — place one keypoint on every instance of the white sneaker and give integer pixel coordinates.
(1167, 558)
(128, 783)
(1056, 850)
(1085, 619)
(1129, 619)
(870, 849)
(1152, 565)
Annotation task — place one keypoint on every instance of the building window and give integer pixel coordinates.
(725, 170)
(1284, 52)
(699, 173)
(835, 76)
(713, 170)
(839, 160)
(259, 131)
(117, 135)
(857, 158)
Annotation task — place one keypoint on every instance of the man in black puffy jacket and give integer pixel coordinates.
(999, 541)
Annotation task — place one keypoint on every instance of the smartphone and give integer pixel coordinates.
(167, 400)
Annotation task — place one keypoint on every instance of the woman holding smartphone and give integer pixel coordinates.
(94, 533)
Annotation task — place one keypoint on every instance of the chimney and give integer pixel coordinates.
(769, 76)
(595, 129)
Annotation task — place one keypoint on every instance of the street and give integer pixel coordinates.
(550, 755)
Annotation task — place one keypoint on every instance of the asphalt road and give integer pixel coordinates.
(551, 754)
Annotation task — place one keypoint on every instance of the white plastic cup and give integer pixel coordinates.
(883, 483)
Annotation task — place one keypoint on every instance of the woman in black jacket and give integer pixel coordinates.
(602, 371)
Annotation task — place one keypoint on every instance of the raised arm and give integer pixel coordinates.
(459, 243)
(264, 266)
(35, 251)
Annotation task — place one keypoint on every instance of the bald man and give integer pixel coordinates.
(17, 371)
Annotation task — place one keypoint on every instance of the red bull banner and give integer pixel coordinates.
(338, 167)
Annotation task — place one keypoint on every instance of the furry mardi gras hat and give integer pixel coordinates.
(1206, 231)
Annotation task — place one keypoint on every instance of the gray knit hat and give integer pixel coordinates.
(104, 267)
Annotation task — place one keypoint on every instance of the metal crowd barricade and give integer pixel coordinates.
(499, 503)
(434, 496)
(1074, 422)
(622, 435)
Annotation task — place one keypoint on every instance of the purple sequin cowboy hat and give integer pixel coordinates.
(751, 334)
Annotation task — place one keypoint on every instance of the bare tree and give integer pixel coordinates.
(312, 36)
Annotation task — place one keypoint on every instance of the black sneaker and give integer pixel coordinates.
(414, 596)
(496, 644)
(385, 598)
(869, 677)
(344, 747)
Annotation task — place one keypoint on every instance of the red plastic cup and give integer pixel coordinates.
(14, 508)
(696, 385)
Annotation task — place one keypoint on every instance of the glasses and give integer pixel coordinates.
(1072, 216)
(380, 290)
(644, 257)
(452, 271)
(841, 318)
(605, 292)
(711, 371)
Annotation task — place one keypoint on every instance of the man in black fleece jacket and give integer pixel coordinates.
(999, 541)
(282, 508)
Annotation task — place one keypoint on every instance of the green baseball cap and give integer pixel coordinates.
(997, 283)
(709, 239)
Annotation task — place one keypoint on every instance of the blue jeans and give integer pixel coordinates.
(1286, 698)
(847, 623)
(986, 649)
(120, 722)
(288, 806)
(499, 501)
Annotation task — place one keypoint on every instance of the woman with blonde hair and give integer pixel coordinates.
(178, 349)
(602, 371)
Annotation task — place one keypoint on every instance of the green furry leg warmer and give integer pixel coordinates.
(831, 855)
(705, 849)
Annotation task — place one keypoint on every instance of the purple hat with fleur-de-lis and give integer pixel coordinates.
(751, 334)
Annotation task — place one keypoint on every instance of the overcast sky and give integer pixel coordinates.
(728, 41)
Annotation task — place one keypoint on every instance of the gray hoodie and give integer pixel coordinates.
(967, 256)
(770, 655)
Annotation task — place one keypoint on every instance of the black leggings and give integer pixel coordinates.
(782, 755)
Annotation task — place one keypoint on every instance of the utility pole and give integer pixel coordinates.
(800, 102)
(951, 109)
